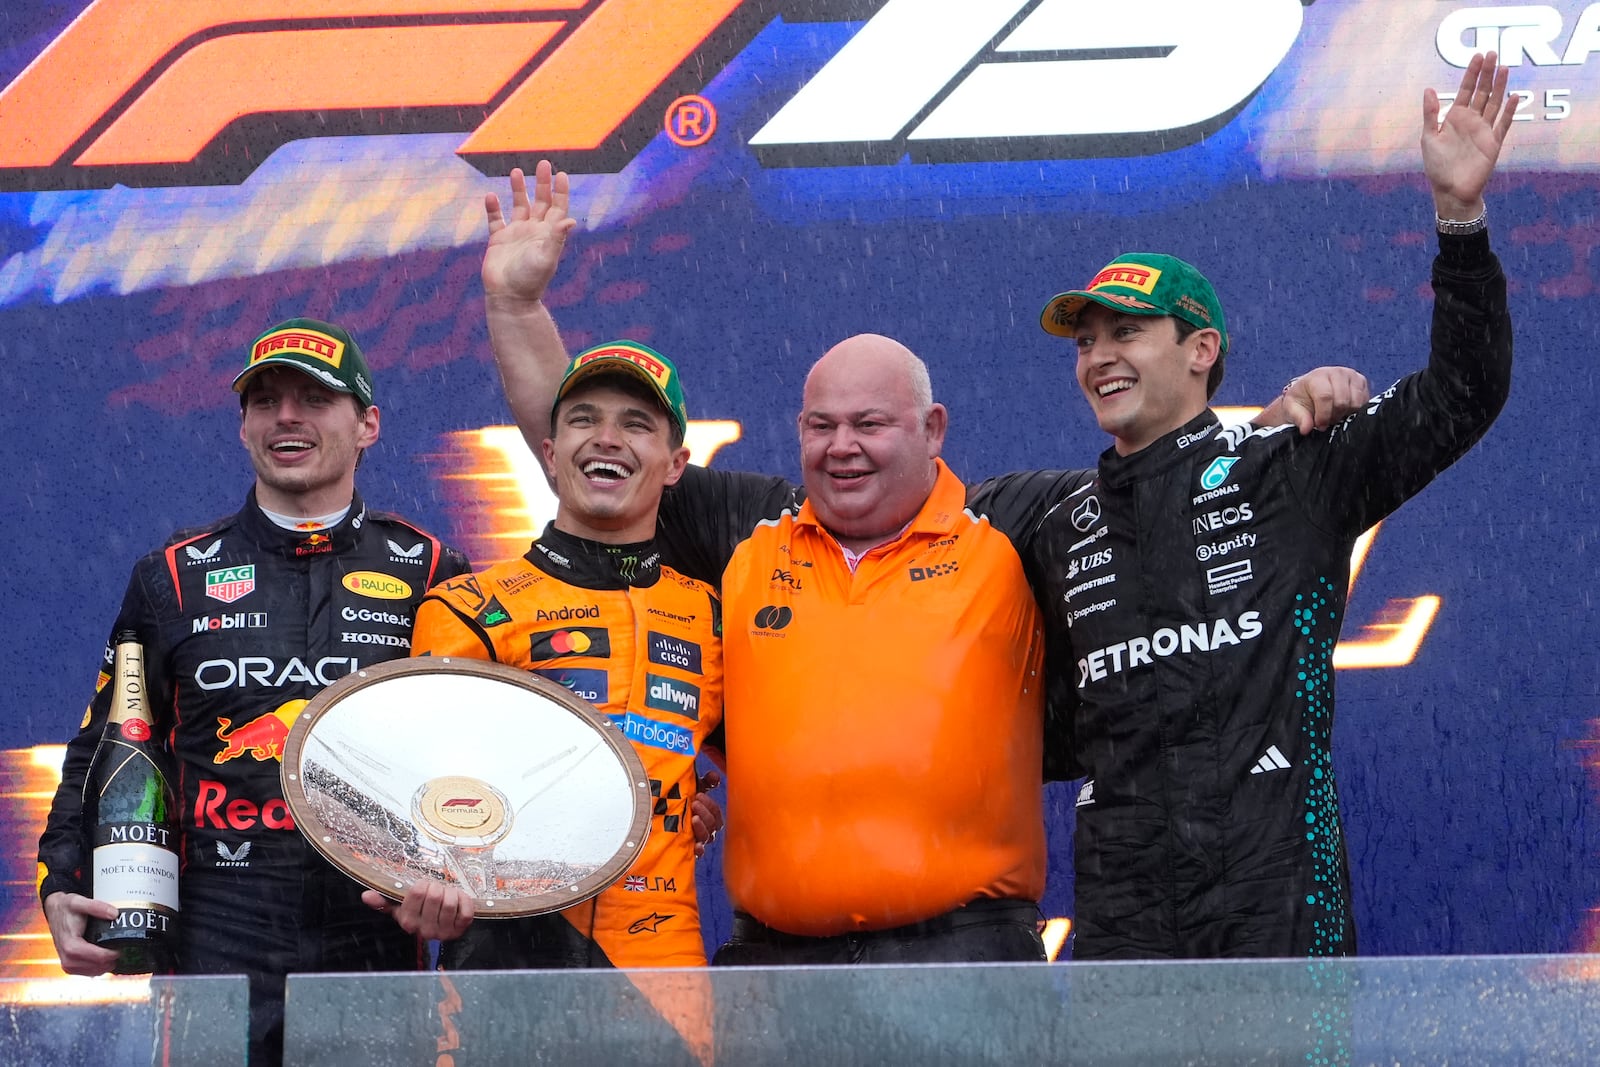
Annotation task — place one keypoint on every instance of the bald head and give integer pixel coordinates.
(869, 435)
(879, 356)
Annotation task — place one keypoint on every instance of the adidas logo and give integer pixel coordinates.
(1086, 794)
(200, 555)
(1272, 761)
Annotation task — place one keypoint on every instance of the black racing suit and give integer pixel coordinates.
(1197, 588)
(242, 622)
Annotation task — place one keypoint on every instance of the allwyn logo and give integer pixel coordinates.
(140, 93)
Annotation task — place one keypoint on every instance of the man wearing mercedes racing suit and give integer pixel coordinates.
(243, 621)
(1202, 571)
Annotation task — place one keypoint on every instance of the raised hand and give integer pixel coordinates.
(1459, 153)
(525, 249)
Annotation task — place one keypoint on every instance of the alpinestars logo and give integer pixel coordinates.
(180, 102)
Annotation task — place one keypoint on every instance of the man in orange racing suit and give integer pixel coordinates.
(591, 608)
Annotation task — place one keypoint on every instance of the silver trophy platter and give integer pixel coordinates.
(471, 774)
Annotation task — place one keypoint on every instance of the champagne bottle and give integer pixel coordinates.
(135, 833)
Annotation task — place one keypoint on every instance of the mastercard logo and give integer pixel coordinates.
(573, 641)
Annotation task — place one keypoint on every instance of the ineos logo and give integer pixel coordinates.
(772, 617)
(1086, 514)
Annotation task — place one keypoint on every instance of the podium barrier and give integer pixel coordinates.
(1451, 1010)
(124, 1022)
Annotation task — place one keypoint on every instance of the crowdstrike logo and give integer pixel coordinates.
(1189, 638)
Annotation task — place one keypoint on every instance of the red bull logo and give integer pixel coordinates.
(261, 738)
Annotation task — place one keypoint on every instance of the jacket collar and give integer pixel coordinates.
(303, 544)
(595, 564)
(1117, 471)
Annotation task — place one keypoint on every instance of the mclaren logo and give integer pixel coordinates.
(184, 98)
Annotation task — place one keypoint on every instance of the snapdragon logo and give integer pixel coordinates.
(1190, 637)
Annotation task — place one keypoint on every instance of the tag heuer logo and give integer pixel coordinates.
(231, 583)
(1217, 472)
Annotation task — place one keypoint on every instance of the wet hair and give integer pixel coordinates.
(1184, 329)
(622, 382)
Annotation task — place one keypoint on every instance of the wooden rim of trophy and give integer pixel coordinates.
(451, 770)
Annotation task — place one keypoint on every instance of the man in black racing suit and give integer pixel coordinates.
(1198, 583)
(243, 621)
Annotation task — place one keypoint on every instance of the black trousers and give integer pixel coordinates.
(983, 931)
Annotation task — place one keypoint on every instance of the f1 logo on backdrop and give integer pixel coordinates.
(191, 92)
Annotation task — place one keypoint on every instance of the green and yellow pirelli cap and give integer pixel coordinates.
(320, 349)
(629, 357)
(1141, 283)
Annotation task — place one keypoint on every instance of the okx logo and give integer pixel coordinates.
(166, 92)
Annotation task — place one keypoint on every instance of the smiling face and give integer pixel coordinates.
(304, 441)
(610, 456)
(869, 435)
(1140, 380)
